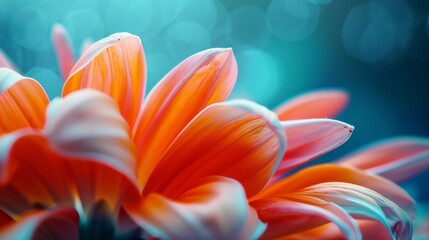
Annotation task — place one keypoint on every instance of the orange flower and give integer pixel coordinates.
(182, 164)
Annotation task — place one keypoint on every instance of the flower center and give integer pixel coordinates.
(100, 223)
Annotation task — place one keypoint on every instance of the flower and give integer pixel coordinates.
(81, 159)
(185, 163)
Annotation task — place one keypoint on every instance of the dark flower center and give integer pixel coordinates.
(101, 225)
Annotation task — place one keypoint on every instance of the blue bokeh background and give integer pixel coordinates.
(377, 50)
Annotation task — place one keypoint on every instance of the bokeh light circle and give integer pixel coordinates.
(293, 20)
(29, 28)
(83, 24)
(369, 32)
(248, 26)
(258, 76)
(50, 81)
(203, 12)
(133, 17)
(186, 38)
(158, 64)
(321, 2)
(166, 11)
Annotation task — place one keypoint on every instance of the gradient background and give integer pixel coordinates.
(377, 50)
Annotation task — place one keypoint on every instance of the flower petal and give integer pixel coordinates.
(84, 156)
(59, 224)
(311, 138)
(333, 173)
(214, 208)
(63, 49)
(370, 229)
(87, 125)
(5, 62)
(322, 186)
(116, 66)
(237, 139)
(364, 203)
(317, 104)
(396, 159)
(22, 102)
(200, 80)
(285, 217)
(4, 218)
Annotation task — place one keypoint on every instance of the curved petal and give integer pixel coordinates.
(364, 203)
(197, 82)
(63, 49)
(214, 208)
(333, 173)
(354, 200)
(22, 102)
(59, 224)
(87, 124)
(5, 62)
(84, 156)
(317, 104)
(311, 138)
(116, 66)
(4, 218)
(370, 229)
(285, 217)
(396, 159)
(237, 139)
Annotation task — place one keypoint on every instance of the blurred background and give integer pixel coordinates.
(377, 50)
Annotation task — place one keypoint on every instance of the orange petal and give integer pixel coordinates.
(84, 156)
(214, 208)
(285, 217)
(349, 199)
(4, 218)
(396, 159)
(370, 229)
(63, 49)
(327, 231)
(333, 173)
(22, 102)
(59, 224)
(317, 104)
(311, 138)
(237, 139)
(116, 66)
(364, 203)
(197, 82)
(5, 62)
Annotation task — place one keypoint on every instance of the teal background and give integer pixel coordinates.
(377, 50)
